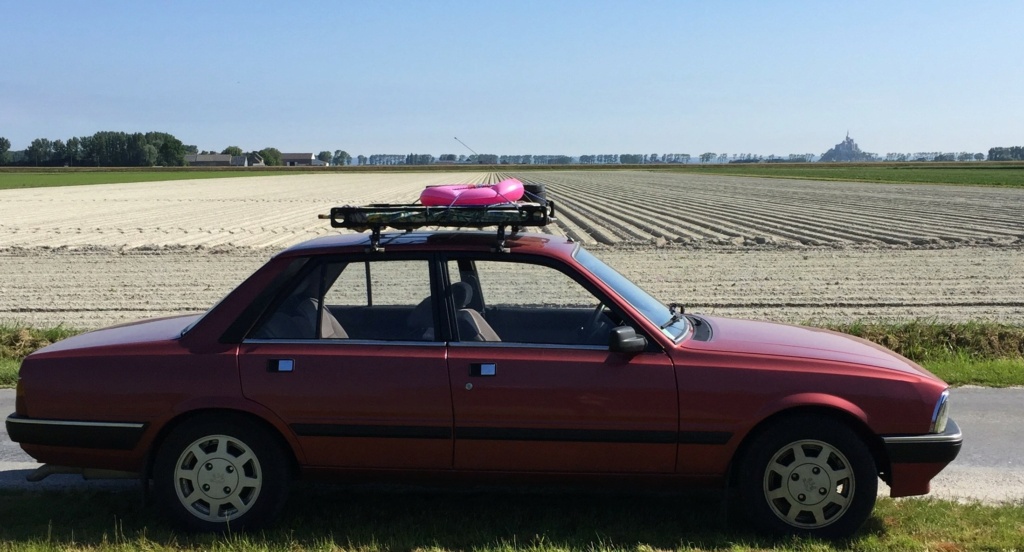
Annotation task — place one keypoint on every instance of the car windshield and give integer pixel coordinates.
(654, 311)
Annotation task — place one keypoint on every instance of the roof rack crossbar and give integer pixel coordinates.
(413, 216)
(404, 217)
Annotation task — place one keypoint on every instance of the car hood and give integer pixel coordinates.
(768, 338)
(158, 329)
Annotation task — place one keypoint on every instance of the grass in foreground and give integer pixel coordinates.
(330, 518)
(968, 353)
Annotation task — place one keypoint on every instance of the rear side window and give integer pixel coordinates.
(375, 300)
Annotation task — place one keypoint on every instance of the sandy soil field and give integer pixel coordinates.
(763, 248)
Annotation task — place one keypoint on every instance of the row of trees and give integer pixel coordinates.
(1014, 153)
(120, 149)
(103, 149)
(935, 156)
(493, 159)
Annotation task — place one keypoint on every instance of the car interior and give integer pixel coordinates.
(361, 317)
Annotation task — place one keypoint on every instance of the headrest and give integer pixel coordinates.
(462, 294)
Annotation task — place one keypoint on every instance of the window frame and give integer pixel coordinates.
(567, 269)
(272, 299)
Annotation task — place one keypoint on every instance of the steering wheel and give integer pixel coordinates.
(592, 328)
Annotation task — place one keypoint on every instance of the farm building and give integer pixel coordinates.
(216, 160)
(297, 159)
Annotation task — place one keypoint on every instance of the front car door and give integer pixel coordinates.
(534, 385)
(347, 357)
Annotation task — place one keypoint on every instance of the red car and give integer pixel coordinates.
(465, 356)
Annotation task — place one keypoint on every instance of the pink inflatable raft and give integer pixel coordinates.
(509, 190)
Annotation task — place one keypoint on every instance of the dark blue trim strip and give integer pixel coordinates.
(77, 434)
(513, 434)
(395, 432)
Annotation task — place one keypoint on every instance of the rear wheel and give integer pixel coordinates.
(810, 476)
(216, 474)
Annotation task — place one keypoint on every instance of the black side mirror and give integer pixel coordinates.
(623, 339)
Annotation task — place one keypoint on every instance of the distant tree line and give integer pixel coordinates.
(1015, 153)
(103, 149)
(934, 156)
(121, 149)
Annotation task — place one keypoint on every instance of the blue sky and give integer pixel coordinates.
(554, 77)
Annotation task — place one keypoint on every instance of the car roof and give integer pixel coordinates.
(526, 242)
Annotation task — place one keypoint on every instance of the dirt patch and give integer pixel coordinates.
(761, 248)
(95, 286)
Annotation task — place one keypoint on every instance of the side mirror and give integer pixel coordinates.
(623, 339)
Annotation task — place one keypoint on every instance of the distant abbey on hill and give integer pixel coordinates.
(846, 150)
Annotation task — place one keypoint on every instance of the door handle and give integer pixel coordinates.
(484, 369)
(280, 365)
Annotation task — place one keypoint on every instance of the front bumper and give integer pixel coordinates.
(925, 449)
(915, 459)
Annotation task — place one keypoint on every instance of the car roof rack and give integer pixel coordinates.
(410, 217)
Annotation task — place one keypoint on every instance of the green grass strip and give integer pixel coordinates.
(8, 372)
(11, 180)
(1008, 175)
(924, 340)
(344, 519)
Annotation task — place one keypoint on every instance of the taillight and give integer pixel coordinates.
(19, 402)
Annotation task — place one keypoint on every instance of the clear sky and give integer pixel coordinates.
(519, 77)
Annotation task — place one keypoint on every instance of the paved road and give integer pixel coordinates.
(990, 466)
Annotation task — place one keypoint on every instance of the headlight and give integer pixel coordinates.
(941, 413)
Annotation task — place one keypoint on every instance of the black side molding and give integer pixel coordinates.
(74, 433)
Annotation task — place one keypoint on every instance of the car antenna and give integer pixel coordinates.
(467, 147)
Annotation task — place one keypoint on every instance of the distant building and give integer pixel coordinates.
(297, 159)
(216, 160)
(847, 150)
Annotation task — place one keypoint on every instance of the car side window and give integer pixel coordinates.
(363, 300)
(528, 303)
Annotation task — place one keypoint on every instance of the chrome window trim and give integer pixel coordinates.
(72, 423)
(516, 345)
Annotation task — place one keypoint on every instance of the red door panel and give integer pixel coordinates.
(536, 408)
(357, 405)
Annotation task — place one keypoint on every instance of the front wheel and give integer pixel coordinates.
(808, 476)
(221, 474)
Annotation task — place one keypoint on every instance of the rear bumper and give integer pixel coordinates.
(74, 433)
(915, 459)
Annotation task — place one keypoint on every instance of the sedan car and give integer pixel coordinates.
(450, 356)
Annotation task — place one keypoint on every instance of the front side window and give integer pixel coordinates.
(526, 303)
(360, 300)
(653, 310)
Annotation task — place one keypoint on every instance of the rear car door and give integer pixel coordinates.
(534, 385)
(347, 357)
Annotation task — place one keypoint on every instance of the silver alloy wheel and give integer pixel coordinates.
(809, 484)
(217, 478)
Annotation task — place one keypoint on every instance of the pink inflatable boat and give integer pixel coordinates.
(507, 191)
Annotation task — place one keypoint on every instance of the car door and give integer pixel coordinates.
(340, 361)
(534, 385)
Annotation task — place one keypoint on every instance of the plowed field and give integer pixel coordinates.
(764, 248)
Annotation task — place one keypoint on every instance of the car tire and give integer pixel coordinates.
(219, 474)
(809, 476)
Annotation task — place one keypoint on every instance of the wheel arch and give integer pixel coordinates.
(289, 448)
(859, 426)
